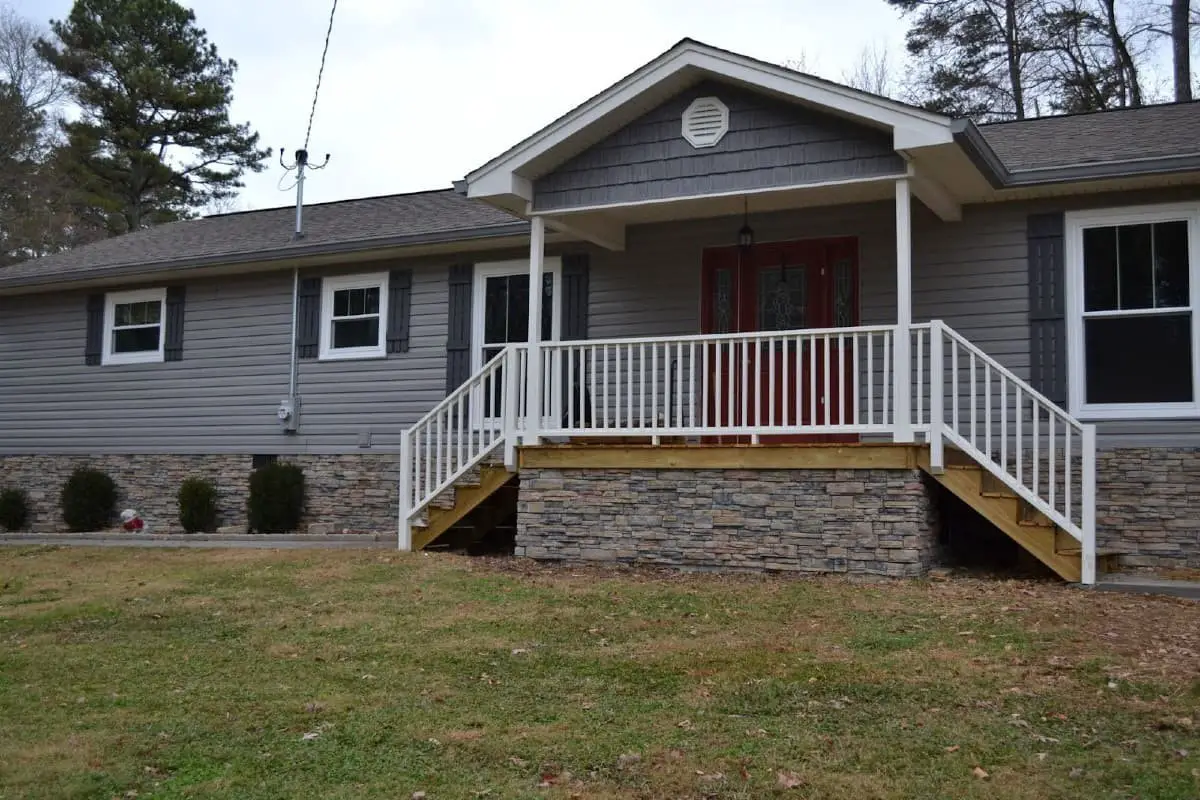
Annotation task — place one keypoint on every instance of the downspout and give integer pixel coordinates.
(295, 319)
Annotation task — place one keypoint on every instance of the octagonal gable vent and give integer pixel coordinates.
(705, 122)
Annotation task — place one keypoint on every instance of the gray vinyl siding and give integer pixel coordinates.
(770, 144)
(974, 275)
(222, 396)
(219, 398)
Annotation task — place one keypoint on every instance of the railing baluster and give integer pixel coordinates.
(799, 398)
(654, 385)
(771, 382)
(855, 368)
(1050, 472)
(617, 384)
(987, 409)
(870, 379)
(1033, 406)
(704, 387)
(954, 387)
(642, 385)
(604, 384)
(593, 356)
(919, 383)
(888, 358)
(1067, 471)
(744, 419)
(1003, 423)
(692, 384)
(1018, 446)
(812, 379)
(785, 398)
(825, 399)
(841, 384)
(973, 403)
(679, 385)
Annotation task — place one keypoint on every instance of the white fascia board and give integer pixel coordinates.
(912, 127)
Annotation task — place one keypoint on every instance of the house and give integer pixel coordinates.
(778, 321)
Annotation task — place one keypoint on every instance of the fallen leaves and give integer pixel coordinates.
(981, 773)
(788, 780)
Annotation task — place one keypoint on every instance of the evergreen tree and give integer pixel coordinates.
(154, 141)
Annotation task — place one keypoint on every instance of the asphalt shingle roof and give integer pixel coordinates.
(1105, 136)
(249, 235)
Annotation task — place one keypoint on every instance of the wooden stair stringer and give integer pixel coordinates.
(467, 498)
(967, 484)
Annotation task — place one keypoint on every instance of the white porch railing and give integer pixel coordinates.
(755, 386)
(1038, 450)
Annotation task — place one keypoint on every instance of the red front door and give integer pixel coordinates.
(777, 287)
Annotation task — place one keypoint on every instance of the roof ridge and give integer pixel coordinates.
(1094, 113)
(327, 203)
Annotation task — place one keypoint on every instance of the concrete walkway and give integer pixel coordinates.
(285, 541)
(1133, 583)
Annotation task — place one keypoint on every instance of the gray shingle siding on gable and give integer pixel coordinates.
(770, 143)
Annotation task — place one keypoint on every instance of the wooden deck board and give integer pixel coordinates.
(705, 456)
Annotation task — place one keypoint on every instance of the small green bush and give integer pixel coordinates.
(198, 505)
(14, 509)
(276, 498)
(89, 500)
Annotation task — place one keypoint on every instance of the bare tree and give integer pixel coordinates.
(872, 72)
(1181, 49)
(36, 82)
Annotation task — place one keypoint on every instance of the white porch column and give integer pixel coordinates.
(537, 256)
(902, 374)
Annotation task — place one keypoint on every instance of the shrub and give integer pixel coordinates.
(198, 505)
(89, 500)
(14, 509)
(276, 498)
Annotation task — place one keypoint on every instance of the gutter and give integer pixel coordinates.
(289, 254)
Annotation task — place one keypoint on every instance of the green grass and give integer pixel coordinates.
(257, 674)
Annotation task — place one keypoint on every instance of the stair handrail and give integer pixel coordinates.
(457, 436)
(942, 430)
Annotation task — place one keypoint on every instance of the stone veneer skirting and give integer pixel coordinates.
(1148, 505)
(349, 493)
(868, 521)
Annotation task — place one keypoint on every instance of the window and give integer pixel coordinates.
(133, 326)
(1131, 288)
(353, 310)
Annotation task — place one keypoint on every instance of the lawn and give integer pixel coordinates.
(368, 674)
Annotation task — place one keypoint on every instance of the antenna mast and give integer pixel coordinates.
(301, 164)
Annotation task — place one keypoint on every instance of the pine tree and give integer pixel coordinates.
(154, 141)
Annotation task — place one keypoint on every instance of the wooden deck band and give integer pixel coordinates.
(700, 456)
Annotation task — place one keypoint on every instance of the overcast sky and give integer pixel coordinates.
(419, 92)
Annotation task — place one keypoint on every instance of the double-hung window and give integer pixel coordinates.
(353, 310)
(1132, 297)
(133, 326)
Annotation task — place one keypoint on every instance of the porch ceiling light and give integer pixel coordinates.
(746, 234)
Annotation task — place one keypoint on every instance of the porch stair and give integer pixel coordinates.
(452, 506)
(1011, 515)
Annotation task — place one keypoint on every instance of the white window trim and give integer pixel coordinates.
(1075, 223)
(492, 269)
(111, 301)
(326, 351)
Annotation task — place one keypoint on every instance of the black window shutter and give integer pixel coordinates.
(458, 339)
(94, 340)
(308, 320)
(575, 296)
(399, 309)
(1047, 307)
(173, 344)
